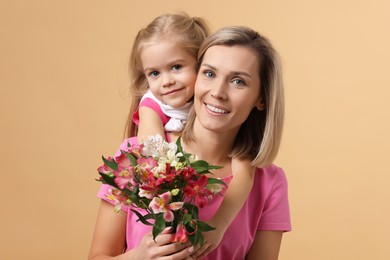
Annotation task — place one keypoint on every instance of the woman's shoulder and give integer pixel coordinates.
(270, 178)
(126, 143)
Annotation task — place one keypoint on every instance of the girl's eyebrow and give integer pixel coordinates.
(234, 73)
(172, 62)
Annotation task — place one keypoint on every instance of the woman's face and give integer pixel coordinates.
(227, 88)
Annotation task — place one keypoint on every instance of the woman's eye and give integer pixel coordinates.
(238, 82)
(209, 74)
(154, 73)
(176, 67)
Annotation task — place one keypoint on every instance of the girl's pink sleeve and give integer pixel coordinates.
(150, 103)
(276, 212)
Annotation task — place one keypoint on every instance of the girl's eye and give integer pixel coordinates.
(209, 74)
(176, 67)
(238, 82)
(154, 74)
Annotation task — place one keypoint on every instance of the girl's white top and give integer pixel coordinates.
(178, 115)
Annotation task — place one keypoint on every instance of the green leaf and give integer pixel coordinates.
(142, 218)
(200, 237)
(202, 166)
(159, 226)
(108, 180)
(112, 165)
(134, 195)
(179, 147)
(132, 159)
(215, 181)
(203, 226)
(186, 218)
(193, 238)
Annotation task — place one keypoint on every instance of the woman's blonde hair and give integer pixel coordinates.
(260, 135)
(185, 31)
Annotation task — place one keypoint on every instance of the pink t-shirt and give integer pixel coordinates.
(266, 208)
(147, 102)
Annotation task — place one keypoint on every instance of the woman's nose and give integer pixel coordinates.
(218, 91)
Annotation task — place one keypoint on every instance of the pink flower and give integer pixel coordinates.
(123, 161)
(147, 192)
(197, 189)
(118, 198)
(123, 178)
(104, 168)
(160, 204)
(180, 235)
(146, 164)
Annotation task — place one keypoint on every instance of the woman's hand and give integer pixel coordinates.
(110, 238)
(211, 241)
(161, 248)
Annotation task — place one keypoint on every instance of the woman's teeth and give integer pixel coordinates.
(217, 110)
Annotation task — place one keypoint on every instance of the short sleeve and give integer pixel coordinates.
(150, 103)
(276, 211)
(103, 193)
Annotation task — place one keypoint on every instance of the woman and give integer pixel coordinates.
(238, 111)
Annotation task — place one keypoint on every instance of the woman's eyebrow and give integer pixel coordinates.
(209, 66)
(233, 73)
(240, 73)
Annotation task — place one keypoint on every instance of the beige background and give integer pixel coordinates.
(63, 105)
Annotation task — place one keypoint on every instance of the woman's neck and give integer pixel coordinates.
(212, 147)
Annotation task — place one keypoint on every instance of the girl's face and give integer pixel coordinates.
(170, 71)
(227, 88)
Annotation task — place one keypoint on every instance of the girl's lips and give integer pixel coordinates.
(216, 109)
(173, 91)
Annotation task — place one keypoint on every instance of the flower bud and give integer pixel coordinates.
(174, 192)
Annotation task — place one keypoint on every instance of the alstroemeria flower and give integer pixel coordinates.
(180, 235)
(161, 204)
(104, 168)
(152, 146)
(187, 172)
(214, 188)
(147, 192)
(118, 198)
(197, 189)
(123, 178)
(123, 161)
(146, 164)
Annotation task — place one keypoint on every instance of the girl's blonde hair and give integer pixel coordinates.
(260, 135)
(185, 31)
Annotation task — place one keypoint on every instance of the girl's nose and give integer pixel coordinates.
(168, 80)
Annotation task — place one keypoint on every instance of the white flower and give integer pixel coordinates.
(152, 146)
(214, 188)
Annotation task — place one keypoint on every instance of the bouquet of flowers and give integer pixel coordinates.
(167, 183)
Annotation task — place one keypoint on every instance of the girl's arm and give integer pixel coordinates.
(234, 199)
(110, 238)
(149, 123)
(266, 245)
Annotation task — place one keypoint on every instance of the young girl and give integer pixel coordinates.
(163, 71)
(164, 65)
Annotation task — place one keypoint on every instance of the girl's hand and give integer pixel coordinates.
(162, 248)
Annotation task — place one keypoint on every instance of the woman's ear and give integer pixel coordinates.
(260, 104)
